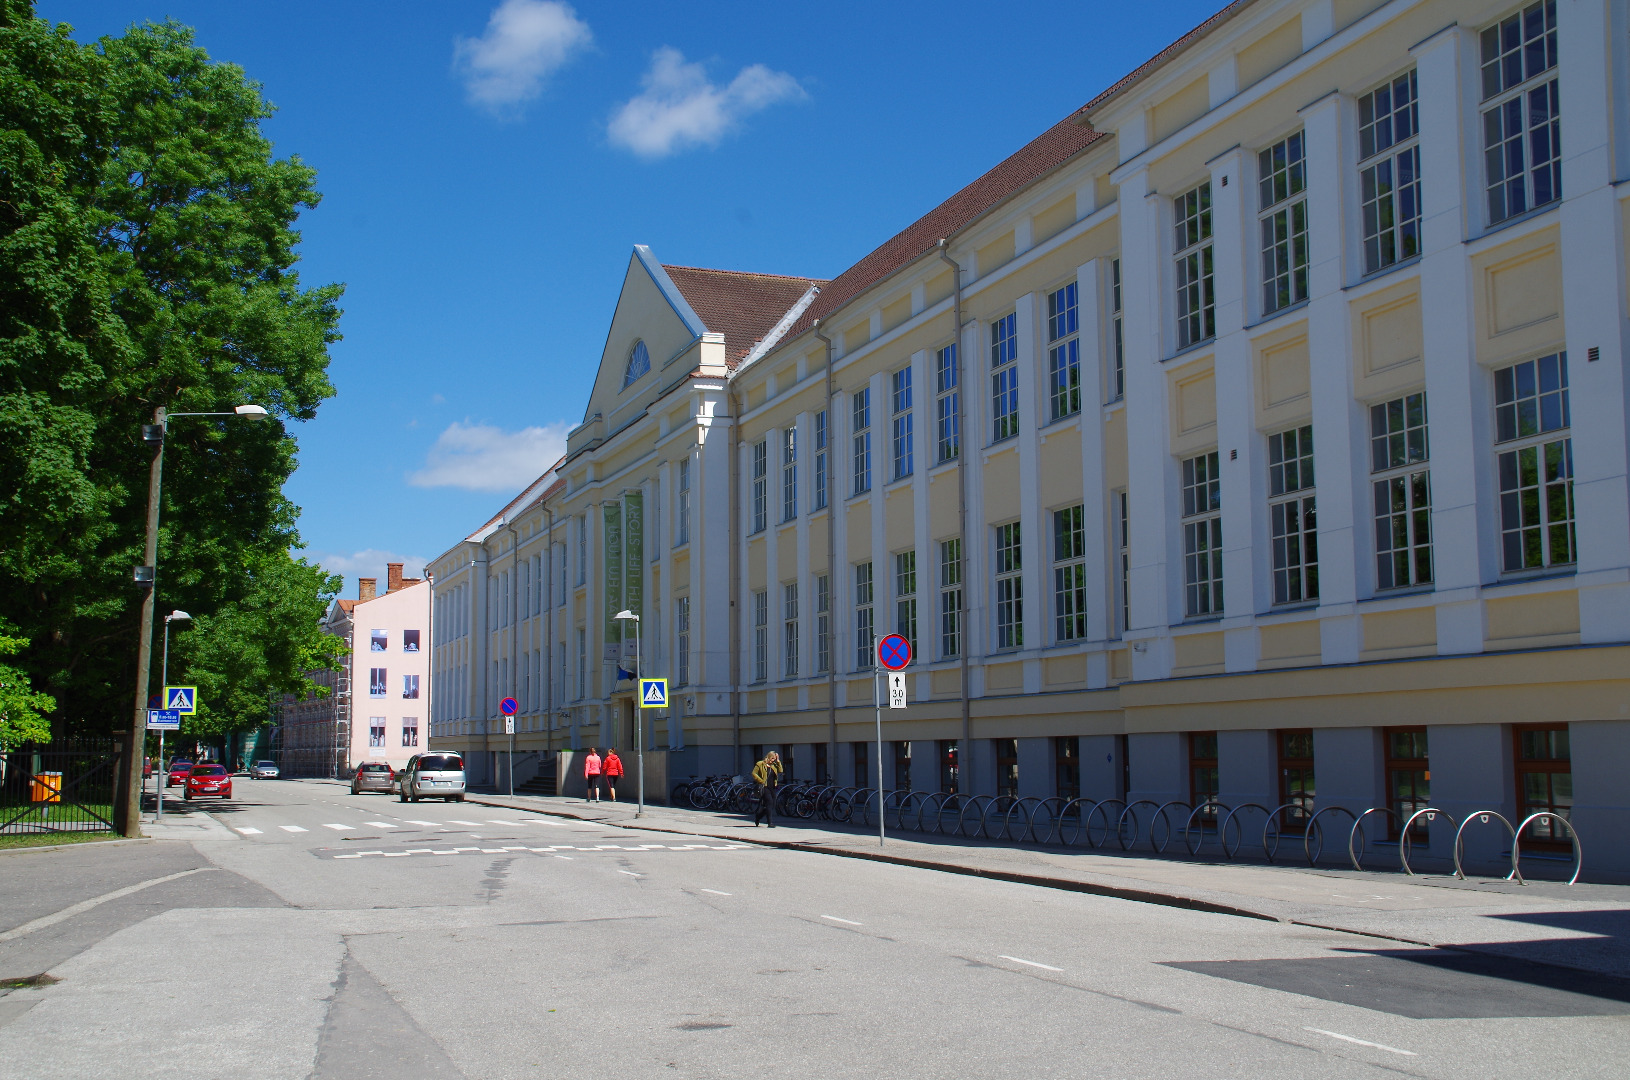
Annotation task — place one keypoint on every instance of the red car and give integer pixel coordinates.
(209, 780)
(178, 773)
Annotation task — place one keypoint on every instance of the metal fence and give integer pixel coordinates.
(57, 787)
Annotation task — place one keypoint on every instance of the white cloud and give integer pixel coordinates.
(680, 108)
(526, 42)
(481, 457)
(370, 562)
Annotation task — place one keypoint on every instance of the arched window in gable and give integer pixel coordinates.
(639, 362)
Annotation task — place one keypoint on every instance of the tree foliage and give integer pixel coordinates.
(147, 256)
(22, 709)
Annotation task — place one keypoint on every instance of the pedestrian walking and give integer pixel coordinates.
(767, 775)
(591, 775)
(613, 769)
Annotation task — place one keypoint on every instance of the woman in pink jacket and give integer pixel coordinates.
(591, 775)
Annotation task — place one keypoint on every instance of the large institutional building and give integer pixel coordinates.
(1222, 442)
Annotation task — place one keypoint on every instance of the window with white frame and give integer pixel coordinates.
(1064, 351)
(1117, 335)
(905, 597)
(1123, 540)
(1196, 290)
(761, 485)
(789, 474)
(681, 640)
(1402, 488)
(946, 402)
(1004, 377)
(761, 635)
(377, 680)
(682, 510)
(820, 459)
(1522, 150)
(639, 363)
(1282, 206)
(865, 628)
(823, 623)
(789, 630)
(1293, 531)
(1069, 574)
(410, 731)
(950, 597)
(376, 731)
(1535, 459)
(1389, 172)
(1202, 536)
(900, 402)
(862, 440)
(1009, 587)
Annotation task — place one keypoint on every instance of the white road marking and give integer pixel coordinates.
(1029, 963)
(1361, 1042)
(396, 854)
(340, 828)
(495, 821)
(630, 873)
(716, 892)
(834, 918)
(246, 830)
(412, 821)
(95, 901)
(357, 855)
(381, 824)
(456, 821)
(492, 851)
(292, 828)
(568, 858)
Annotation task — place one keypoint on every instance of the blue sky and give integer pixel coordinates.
(486, 167)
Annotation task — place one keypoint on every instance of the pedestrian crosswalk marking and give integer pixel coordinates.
(339, 828)
(456, 821)
(292, 828)
(247, 831)
(381, 824)
(411, 821)
(553, 849)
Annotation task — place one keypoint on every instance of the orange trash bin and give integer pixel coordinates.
(47, 787)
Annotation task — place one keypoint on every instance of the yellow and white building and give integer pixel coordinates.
(1257, 431)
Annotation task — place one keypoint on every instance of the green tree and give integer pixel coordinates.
(22, 710)
(147, 256)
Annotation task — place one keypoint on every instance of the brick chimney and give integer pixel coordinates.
(393, 576)
(367, 589)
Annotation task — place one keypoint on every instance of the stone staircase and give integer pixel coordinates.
(541, 784)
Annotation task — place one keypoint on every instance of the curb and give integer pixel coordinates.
(79, 844)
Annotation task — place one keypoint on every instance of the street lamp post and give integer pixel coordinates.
(159, 776)
(639, 709)
(127, 800)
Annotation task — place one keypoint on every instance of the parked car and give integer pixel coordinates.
(373, 776)
(432, 776)
(263, 770)
(209, 780)
(178, 773)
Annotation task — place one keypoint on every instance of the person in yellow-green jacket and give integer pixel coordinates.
(767, 775)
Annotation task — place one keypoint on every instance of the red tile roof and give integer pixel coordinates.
(744, 307)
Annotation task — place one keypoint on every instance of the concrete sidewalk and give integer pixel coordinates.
(1579, 926)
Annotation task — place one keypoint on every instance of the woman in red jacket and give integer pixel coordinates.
(614, 769)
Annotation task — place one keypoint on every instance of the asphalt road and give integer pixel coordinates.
(303, 932)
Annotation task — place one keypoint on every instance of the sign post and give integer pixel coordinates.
(893, 654)
(509, 706)
(176, 701)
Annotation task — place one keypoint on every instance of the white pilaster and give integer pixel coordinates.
(1033, 534)
(1090, 280)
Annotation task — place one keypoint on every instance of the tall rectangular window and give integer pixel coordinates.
(682, 512)
(1007, 767)
(1204, 775)
(1067, 766)
(761, 485)
(1202, 536)
(1117, 335)
(1402, 492)
(951, 597)
(950, 755)
(902, 765)
(1293, 529)
(582, 548)
(761, 635)
(865, 628)
(582, 663)
(1296, 786)
(410, 731)
(1522, 122)
(863, 439)
(863, 774)
(1409, 777)
(1389, 172)
(820, 459)
(948, 425)
(681, 640)
(789, 474)
(377, 678)
(1531, 421)
(1544, 762)
(1064, 351)
(1009, 587)
(1196, 292)
(900, 402)
(1282, 204)
(376, 731)
(1004, 377)
(1123, 541)
(905, 597)
(1069, 575)
(410, 687)
(823, 623)
(789, 630)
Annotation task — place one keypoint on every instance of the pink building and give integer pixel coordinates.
(390, 669)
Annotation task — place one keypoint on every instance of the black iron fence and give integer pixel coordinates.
(58, 787)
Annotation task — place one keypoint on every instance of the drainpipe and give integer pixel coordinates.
(735, 578)
(432, 680)
(515, 632)
(549, 649)
(961, 503)
(831, 547)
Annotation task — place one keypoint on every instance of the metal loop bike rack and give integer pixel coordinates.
(1029, 818)
(1273, 823)
(1544, 818)
(1159, 817)
(1083, 808)
(1104, 808)
(937, 801)
(978, 805)
(1052, 818)
(1120, 825)
(1430, 813)
(1222, 830)
(904, 805)
(1001, 807)
(1211, 805)
(1357, 834)
(1482, 817)
(1312, 823)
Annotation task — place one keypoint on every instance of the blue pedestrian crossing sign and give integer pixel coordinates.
(653, 693)
(182, 699)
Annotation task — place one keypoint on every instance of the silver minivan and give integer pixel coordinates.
(432, 776)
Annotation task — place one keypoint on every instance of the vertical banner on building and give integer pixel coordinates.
(613, 563)
(633, 566)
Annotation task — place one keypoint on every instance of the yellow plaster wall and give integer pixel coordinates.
(817, 543)
(937, 287)
(756, 549)
(897, 518)
(1289, 644)
(858, 545)
(1001, 677)
(896, 313)
(1270, 52)
(1387, 345)
(942, 504)
(857, 335)
(996, 254)
(1396, 634)
(1115, 462)
(1194, 408)
(1283, 381)
(1048, 223)
(1172, 113)
(943, 683)
(1001, 482)
(1060, 472)
(1061, 671)
(786, 553)
(1519, 297)
(1197, 654)
(1537, 621)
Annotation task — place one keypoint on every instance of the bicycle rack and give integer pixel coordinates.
(1482, 817)
(1222, 832)
(1052, 818)
(1029, 818)
(1545, 819)
(1307, 833)
(1357, 833)
(1160, 817)
(978, 804)
(1104, 807)
(904, 806)
(937, 801)
(1273, 823)
(1212, 805)
(1430, 813)
(1080, 818)
(1002, 804)
(1120, 825)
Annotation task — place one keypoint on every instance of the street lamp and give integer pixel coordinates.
(639, 736)
(127, 801)
(159, 774)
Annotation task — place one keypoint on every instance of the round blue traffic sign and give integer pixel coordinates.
(509, 706)
(894, 652)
